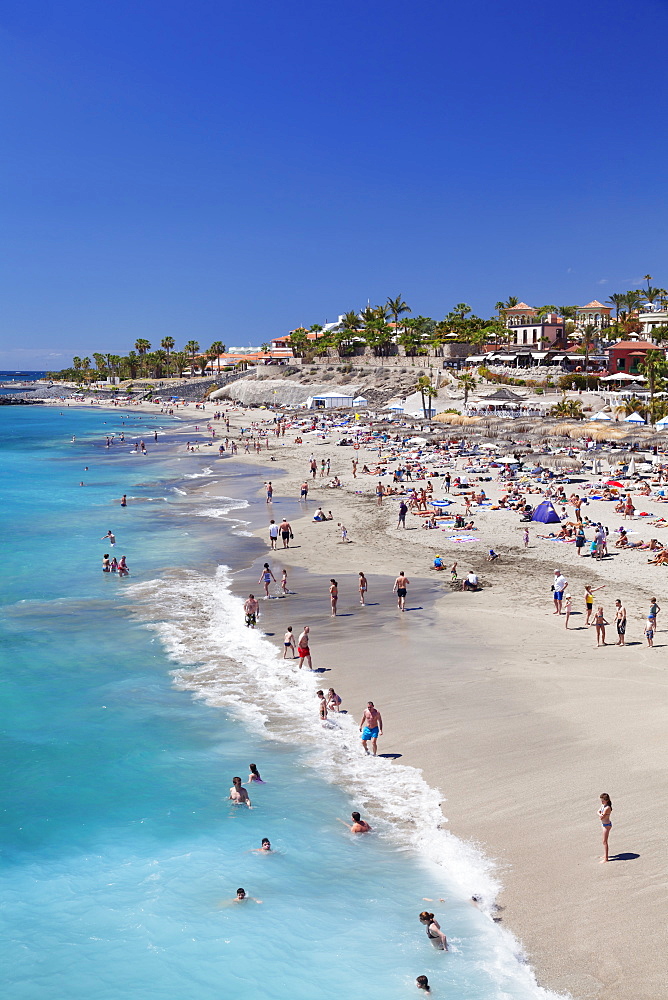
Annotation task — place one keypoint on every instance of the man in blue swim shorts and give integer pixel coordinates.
(371, 727)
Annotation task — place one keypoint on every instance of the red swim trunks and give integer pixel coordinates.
(302, 651)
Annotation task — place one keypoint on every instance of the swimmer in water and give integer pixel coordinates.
(422, 983)
(358, 825)
(434, 932)
(243, 897)
(255, 774)
(110, 537)
(238, 794)
(265, 849)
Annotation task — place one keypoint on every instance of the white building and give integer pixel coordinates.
(651, 317)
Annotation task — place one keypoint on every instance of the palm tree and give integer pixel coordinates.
(99, 361)
(427, 392)
(180, 359)
(167, 344)
(655, 369)
(588, 341)
(299, 341)
(192, 348)
(218, 348)
(571, 408)
(633, 300)
(461, 310)
(142, 346)
(468, 383)
(618, 299)
(396, 308)
(648, 278)
(651, 294)
(512, 302)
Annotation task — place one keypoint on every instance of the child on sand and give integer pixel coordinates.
(568, 604)
(649, 630)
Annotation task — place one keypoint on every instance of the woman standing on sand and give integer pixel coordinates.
(364, 586)
(606, 822)
(333, 595)
(589, 601)
(600, 623)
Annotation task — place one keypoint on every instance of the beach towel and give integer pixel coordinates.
(461, 538)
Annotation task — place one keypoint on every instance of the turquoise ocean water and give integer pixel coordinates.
(128, 705)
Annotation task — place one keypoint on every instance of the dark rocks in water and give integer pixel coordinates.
(19, 401)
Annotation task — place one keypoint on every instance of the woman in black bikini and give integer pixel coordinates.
(434, 932)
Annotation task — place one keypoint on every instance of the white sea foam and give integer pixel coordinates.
(200, 623)
(204, 474)
(223, 506)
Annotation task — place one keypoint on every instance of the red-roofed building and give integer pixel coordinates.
(519, 315)
(626, 355)
(594, 314)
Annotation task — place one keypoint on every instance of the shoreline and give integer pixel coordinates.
(502, 711)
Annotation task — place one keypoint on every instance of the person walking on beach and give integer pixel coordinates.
(303, 493)
(285, 529)
(304, 649)
(371, 727)
(604, 816)
(600, 623)
(620, 619)
(266, 578)
(273, 533)
(322, 708)
(401, 586)
(434, 932)
(238, 794)
(363, 586)
(403, 510)
(288, 643)
(589, 601)
(526, 538)
(379, 493)
(270, 492)
(251, 611)
(284, 582)
(333, 595)
(359, 825)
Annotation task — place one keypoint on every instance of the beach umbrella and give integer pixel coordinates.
(634, 418)
(632, 467)
(601, 415)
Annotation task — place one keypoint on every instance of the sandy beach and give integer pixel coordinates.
(520, 723)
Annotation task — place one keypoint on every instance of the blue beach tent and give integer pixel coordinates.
(546, 513)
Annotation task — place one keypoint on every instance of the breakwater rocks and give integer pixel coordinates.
(9, 400)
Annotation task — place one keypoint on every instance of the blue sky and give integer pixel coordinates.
(212, 170)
